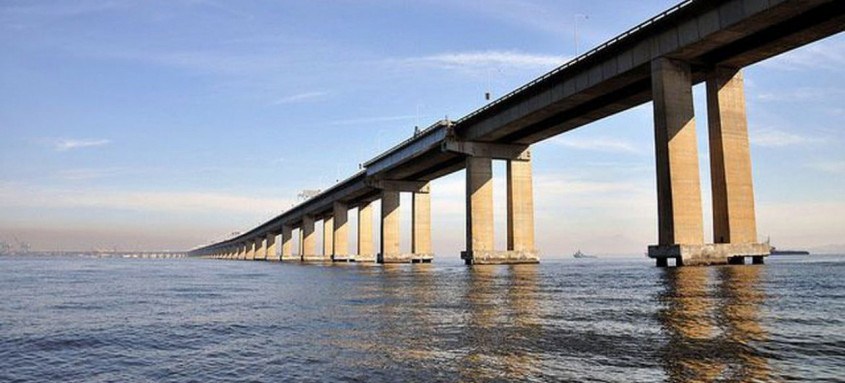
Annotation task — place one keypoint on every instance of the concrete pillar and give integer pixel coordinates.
(250, 250)
(520, 206)
(421, 222)
(730, 158)
(341, 232)
(389, 226)
(287, 243)
(365, 233)
(243, 251)
(270, 250)
(479, 206)
(308, 241)
(260, 249)
(328, 237)
(678, 186)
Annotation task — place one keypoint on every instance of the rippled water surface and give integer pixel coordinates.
(190, 320)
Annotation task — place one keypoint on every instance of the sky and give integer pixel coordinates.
(164, 125)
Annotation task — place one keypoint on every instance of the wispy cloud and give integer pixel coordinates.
(768, 137)
(26, 195)
(301, 97)
(488, 59)
(71, 144)
(600, 144)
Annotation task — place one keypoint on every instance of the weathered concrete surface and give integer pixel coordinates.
(309, 242)
(407, 258)
(520, 206)
(260, 250)
(365, 234)
(389, 227)
(270, 251)
(328, 237)
(706, 254)
(287, 244)
(479, 204)
(493, 257)
(340, 247)
(421, 221)
(730, 159)
(678, 185)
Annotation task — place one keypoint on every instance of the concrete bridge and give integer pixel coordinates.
(659, 60)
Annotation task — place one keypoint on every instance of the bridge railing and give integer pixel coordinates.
(574, 61)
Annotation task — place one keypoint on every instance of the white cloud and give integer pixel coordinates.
(13, 195)
(301, 97)
(601, 144)
(488, 59)
(773, 138)
(70, 144)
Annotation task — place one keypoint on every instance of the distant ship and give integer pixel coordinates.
(579, 254)
(774, 251)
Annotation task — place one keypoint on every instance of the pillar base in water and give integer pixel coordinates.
(491, 257)
(364, 258)
(316, 258)
(708, 254)
(405, 258)
(343, 258)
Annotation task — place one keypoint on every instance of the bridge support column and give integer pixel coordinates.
(260, 250)
(287, 244)
(242, 251)
(328, 238)
(421, 225)
(734, 220)
(389, 249)
(270, 251)
(479, 209)
(340, 233)
(308, 241)
(252, 248)
(521, 211)
(365, 234)
(479, 205)
(390, 225)
(680, 222)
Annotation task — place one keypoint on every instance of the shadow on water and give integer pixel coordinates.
(711, 316)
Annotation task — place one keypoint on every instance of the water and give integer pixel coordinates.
(189, 320)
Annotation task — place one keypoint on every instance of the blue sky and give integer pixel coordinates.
(168, 124)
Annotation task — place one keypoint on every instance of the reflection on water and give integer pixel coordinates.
(711, 316)
(501, 325)
(585, 320)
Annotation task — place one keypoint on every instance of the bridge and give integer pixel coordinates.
(659, 60)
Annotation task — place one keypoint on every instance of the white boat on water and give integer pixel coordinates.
(579, 254)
